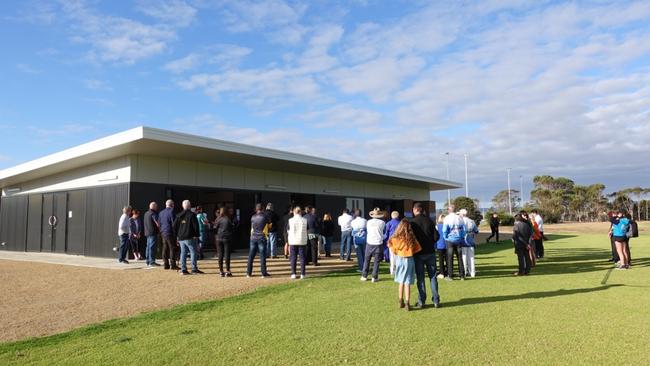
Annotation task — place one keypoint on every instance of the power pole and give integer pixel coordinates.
(521, 189)
(448, 190)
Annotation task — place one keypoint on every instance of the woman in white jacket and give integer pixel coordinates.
(297, 236)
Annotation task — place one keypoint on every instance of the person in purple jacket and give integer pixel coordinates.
(389, 230)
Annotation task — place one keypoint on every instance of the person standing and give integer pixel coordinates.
(223, 233)
(494, 227)
(274, 221)
(469, 244)
(186, 227)
(297, 239)
(404, 245)
(285, 230)
(620, 227)
(374, 244)
(346, 234)
(359, 235)
(151, 231)
(168, 235)
(441, 250)
(313, 232)
(391, 226)
(521, 234)
(259, 225)
(204, 225)
(453, 230)
(539, 244)
(327, 231)
(136, 234)
(426, 234)
(124, 232)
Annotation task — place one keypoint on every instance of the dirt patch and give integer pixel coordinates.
(42, 299)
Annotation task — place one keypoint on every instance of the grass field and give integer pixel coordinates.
(573, 310)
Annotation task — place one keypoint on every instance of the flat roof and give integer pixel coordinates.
(170, 144)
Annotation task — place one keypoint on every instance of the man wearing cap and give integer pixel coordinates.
(426, 233)
(374, 244)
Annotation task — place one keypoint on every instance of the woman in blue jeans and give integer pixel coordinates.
(327, 231)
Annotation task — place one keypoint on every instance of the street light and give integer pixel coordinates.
(466, 182)
(509, 198)
(448, 190)
(521, 189)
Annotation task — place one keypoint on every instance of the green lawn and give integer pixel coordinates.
(573, 310)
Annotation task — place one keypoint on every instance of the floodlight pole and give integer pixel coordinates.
(521, 189)
(448, 190)
(509, 197)
(466, 180)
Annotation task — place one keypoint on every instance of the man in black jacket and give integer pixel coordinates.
(494, 227)
(151, 231)
(426, 233)
(274, 238)
(186, 227)
(313, 232)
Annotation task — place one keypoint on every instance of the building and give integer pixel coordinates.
(70, 201)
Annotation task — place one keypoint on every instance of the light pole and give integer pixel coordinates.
(466, 181)
(521, 189)
(509, 197)
(448, 190)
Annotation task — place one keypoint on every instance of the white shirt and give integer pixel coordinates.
(358, 223)
(375, 228)
(344, 222)
(124, 226)
(540, 222)
(297, 230)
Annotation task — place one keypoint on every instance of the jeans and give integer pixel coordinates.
(257, 245)
(328, 246)
(223, 250)
(203, 240)
(453, 248)
(124, 247)
(468, 261)
(151, 249)
(372, 251)
(273, 242)
(313, 246)
(426, 262)
(523, 260)
(361, 254)
(346, 244)
(442, 260)
(295, 251)
(188, 245)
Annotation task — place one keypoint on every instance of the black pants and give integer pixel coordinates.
(451, 250)
(223, 250)
(169, 252)
(615, 257)
(313, 249)
(296, 251)
(372, 251)
(539, 248)
(495, 232)
(524, 260)
(442, 260)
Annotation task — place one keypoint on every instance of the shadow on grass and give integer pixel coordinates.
(530, 295)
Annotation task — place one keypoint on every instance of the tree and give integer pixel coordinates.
(500, 200)
(638, 191)
(553, 196)
(621, 199)
(471, 205)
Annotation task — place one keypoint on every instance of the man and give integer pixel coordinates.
(468, 247)
(389, 230)
(426, 233)
(313, 232)
(346, 235)
(204, 224)
(453, 231)
(168, 236)
(274, 231)
(124, 232)
(374, 244)
(151, 231)
(494, 227)
(186, 227)
(539, 244)
(259, 224)
(359, 235)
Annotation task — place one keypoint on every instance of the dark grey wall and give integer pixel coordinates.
(103, 210)
(13, 223)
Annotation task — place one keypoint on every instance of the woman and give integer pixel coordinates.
(620, 227)
(531, 244)
(404, 245)
(441, 249)
(297, 239)
(223, 229)
(136, 234)
(521, 234)
(327, 231)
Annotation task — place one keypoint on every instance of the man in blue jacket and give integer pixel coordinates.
(453, 231)
(167, 217)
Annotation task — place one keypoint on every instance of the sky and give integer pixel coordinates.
(540, 87)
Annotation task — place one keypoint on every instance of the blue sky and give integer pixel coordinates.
(542, 87)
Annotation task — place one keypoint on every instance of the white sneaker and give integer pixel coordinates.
(375, 280)
(248, 276)
(293, 276)
(441, 276)
(363, 279)
(302, 277)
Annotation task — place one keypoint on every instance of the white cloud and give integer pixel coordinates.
(96, 84)
(27, 69)
(343, 115)
(183, 64)
(175, 12)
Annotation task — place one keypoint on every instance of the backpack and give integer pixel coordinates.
(359, 237)
(632, 230)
